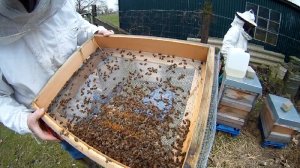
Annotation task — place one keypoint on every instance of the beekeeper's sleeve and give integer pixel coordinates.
(230, 40)
(12, 114)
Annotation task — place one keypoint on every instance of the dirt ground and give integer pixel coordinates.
(245, 150)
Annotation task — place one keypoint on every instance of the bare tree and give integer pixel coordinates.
(102, 7)
(82, 5)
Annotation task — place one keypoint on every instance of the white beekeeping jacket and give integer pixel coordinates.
(235, 37)
(27, 64)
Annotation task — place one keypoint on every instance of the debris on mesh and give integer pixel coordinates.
(130, 105)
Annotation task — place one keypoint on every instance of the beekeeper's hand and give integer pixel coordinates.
(34, 126)
(105, 32)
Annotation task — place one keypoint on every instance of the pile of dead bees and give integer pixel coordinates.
(130, 127)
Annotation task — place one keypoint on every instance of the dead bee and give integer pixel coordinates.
(145, 59)
(181, 76)
(62, 132)
(188, 122)
(66, 134)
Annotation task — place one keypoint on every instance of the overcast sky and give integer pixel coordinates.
(112, 4)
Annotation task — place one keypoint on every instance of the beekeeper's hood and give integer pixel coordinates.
(247, 16)
(245, 22)
(17, 19)
(241, 18)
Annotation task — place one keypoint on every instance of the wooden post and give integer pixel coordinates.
(94, 13)
(206, 19)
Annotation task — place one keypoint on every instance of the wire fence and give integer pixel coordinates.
(181, 24)
(163, 23)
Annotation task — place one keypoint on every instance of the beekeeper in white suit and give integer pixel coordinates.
(36, 38)
(241, 31)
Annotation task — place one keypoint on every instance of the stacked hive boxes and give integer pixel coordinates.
(278, 125)
(237, 97)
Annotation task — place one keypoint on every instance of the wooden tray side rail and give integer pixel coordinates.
(187, 49)
(204, 98)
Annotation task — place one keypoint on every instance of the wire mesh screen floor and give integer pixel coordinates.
(133, 106)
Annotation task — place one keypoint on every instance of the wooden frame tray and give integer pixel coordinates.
(202, 92)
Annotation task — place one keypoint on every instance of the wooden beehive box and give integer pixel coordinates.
(277, 125)
(236, 99)
(197, 103)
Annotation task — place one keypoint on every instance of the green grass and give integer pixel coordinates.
(23, 151)
(110, 18)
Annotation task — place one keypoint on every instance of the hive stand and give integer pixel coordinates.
(232, 131)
